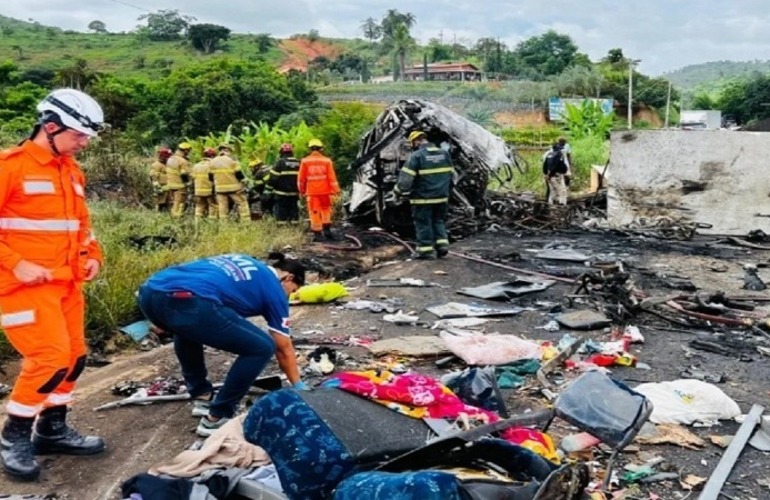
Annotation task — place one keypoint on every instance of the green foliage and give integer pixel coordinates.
(340, 129)
(588, 119)
(207, 37)
(545, 55)
(264, 41)
(702, 100)
(166, 24)
(579, 81)
(371, 29)
(209, 96)
(746, 99)
(78, 75)
(97, 26)
(17, 105)
(711, 76)
(390, 22)
(403, 43)
(481, 115)
(587, 151)
(531, 136)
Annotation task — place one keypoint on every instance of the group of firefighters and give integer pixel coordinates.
(218, 183)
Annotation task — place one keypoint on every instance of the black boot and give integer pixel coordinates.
(328, 232)
(318, 237)
(53, 435)
(17, 453)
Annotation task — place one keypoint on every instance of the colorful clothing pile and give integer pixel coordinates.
(419, 396)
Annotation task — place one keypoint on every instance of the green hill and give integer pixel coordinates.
(32, 45)
(712, 74)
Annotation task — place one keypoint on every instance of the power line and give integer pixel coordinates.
(131, 5)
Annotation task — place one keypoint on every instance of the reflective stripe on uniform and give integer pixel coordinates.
(20, 224)
(424, 249)
(38, 187)
(409, 171)
(285, 193)
(59, 399)
(428, 201)
(316, 178)
(442, 242)
(19, 318)
(20, 410)
(439, 170)
(286, 172)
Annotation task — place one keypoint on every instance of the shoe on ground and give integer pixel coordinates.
(424, 256)
(70, 442)
(207, 427)
(442, 252)
(201, 407)
(18, 459)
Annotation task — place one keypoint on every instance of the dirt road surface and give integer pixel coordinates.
(139, 437)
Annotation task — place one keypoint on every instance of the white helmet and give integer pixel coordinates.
(73, 109)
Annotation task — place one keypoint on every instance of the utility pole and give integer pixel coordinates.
(630, 95)
(668, 105)
(631, 64)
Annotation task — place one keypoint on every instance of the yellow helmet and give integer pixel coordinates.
(255, 163)
(315, 143)
(416, 135)
(185, 146)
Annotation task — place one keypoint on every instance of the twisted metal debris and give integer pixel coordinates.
(478, 155)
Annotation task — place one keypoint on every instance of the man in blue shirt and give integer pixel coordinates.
(206, 302)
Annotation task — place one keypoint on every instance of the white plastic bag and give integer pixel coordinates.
(687, 401)
(478, 349)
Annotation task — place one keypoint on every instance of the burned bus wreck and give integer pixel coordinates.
(478, 156)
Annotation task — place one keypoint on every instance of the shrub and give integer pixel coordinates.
(590, 150)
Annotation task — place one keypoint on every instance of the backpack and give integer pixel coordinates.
(555, 163)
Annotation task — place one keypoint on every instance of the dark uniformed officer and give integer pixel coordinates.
(426, 178)
(283, 182)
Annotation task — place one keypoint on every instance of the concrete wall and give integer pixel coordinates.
(715, 177)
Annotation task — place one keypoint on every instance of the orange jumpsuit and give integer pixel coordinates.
(44, 220)
(317, 181)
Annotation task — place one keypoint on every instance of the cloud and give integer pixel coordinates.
(664, 34)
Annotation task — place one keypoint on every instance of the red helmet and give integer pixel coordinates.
(165, 153)
(209, 152)
(287, 148)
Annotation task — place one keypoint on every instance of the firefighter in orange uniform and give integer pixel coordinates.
(47, 252)
(318, 182)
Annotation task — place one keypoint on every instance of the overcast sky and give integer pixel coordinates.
(664, 34)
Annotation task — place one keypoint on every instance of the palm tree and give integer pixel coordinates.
(402, 44)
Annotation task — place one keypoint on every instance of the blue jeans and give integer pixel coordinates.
(196, 322)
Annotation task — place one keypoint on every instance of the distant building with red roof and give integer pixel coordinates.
(461, 71)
